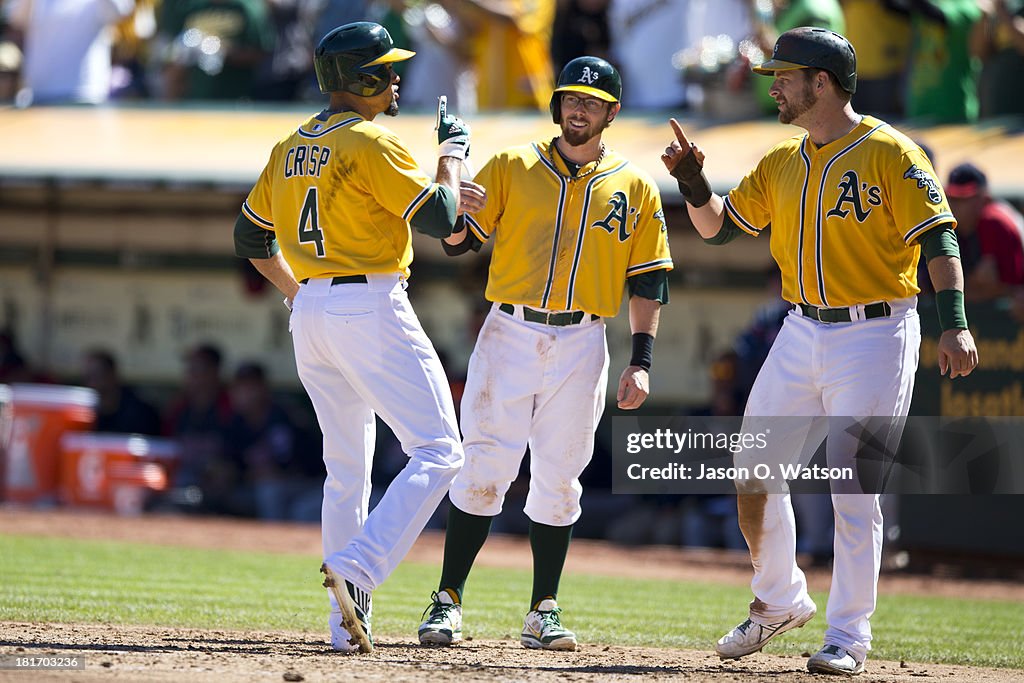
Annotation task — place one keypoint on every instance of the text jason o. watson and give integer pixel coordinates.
(699, 471)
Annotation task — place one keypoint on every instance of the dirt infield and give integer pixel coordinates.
(150, 653)
(138, 653)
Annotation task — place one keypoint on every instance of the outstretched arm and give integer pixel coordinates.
(437, 217)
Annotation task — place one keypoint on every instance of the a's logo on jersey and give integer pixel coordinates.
(924, 181)
(616, 218)
(850, 192)
(588, 76)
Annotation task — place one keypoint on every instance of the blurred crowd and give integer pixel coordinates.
(934, 61)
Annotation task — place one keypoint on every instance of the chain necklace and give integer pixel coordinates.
(597, 162)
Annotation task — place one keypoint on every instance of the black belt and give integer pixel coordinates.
(880, 309)
(343, 279)
(557, 319)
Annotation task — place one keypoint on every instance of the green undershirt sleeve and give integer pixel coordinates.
(252, 241)
(728, 232)
(436, 217)
(651, 285)
(940, 241)
(470, 243)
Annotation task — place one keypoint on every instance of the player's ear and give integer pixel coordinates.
(613, 111)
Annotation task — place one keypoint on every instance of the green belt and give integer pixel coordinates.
(557, 319)
(343, 279)
(881, 309)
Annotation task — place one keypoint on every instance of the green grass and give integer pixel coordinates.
(49, 579)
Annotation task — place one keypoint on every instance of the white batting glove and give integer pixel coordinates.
(452, 132)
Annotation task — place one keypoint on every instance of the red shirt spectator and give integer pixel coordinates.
(990, 232)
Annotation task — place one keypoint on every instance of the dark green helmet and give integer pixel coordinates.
(588, 75)
(817, 48)
(355, 58)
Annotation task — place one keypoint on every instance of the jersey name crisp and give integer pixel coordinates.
(306, 160)
(566, 243)
(338, 195)
(846, 217)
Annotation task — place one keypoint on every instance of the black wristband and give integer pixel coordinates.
(460, 224)
(643, 350)
(697, 192)
(693, 184)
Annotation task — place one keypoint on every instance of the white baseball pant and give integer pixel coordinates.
(535, 384)
(853, 370)
(360, 350)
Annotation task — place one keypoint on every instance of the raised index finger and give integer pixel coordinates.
(680, 135)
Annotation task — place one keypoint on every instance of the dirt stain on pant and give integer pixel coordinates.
(750, 507)
(757, 607)
(483, 494)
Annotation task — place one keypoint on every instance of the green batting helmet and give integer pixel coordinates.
(588, 75)
(355, 57)
(817, 48)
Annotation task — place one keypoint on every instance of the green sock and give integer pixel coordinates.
(550, 544)
(462, 541)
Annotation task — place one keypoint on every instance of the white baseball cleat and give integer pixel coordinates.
(352, 633)
(341, 639)
(442, 624)
(543, 630)
(833, 659)
(750, 636)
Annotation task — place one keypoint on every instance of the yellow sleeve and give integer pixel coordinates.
(649, 249)
(393, 177)
(747, 203)
(917, 201)
(257, 207)
(492, 177)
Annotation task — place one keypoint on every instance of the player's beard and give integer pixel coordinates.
(792, 109)
(392, 109)
(579, 137)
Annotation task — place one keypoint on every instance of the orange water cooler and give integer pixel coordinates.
(114, 471)
(33, 418)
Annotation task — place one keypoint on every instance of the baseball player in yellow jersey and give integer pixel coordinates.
(572, 223)
(851, 204)
(328, 222)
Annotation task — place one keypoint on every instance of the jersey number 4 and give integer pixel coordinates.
(309, 223)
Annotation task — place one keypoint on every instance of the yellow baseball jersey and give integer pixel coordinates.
(565, 243)
(338, 195)
(845, 218)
